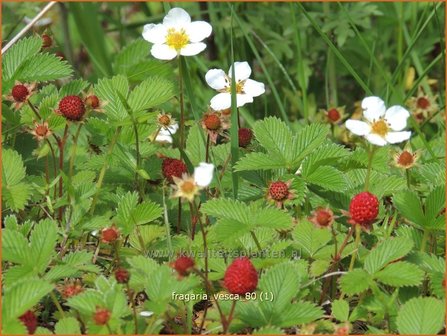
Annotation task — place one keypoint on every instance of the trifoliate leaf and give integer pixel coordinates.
(340, 310)
(355, 282)
(310, 238)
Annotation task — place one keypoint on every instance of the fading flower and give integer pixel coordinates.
(177, 35)
(164, 133)
(422, 106)
(40, 131)
(334, 115)
(246, 89)
(20, 93)
(214, 123)
(382, 125)
(405, 158)
(322, 217)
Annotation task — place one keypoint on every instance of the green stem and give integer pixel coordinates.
(73, 154)
(57, 304)
(103, 169)
(368, 172)
(167, 226)
(424, 240)
(182, 107)
(356, 246)
(258, 245)
(407, 175)
(137, 149)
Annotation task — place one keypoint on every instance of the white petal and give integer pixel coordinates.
(375, 139)
(198, 31)
(254, 88)
(192, 49)
(373, 107)
(146, 313)
(358, 127)
(216, 79)
(177, 18)
(203, 174)
(221, 101)
(242, 71)
(155, 33)
(163, 137)
(163, 52)
(242, 99)
(173, 128)
(396, 137)
(397, 117)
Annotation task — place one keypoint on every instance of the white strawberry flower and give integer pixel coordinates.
(177, 35)
(203, 174)
(246, 89)
(189, 187)
(382, 125)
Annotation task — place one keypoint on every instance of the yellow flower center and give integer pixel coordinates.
(188, 187)
(380, 127)
(239, 87)
(177, 39)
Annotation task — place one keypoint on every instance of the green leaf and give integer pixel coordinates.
(307, 140)
(260, 161)
(152, 92)
(421, 316)
(67, 326)
(21, 51)
(310, 238)
(14, 327)
(23, 296)
(409, 205)
(326, 154)
(340, 310)
(274, 135)
(15, 247)
(130, 214)
(107, 90)
(283, 280)
(15, 192)
(355, 282)
(400, 274)
(43, 67)
(299, 313)
(327, 177)
(268, 331)
(74, 87)
(43, 243)
(434, 204)
(86, 302)
(387, 251)
(195, 145)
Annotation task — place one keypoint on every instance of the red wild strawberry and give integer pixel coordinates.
(47, 41)
(122, 275)
(71, 289)
(110, 234)
(72, 108)
(245, 136)
(20, 92)
(278, 190)
(322, 217)
(101, 316)
(173, 167)
(241, 277)
(211, 121)
(29, 319)
(92, 101)
(364, 208)
(183, 265)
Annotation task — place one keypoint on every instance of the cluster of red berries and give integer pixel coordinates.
(241, 277)
(245, 136)
(72, 108)
(278, 190)
(173, 167)
(183, 265)
(19, 93)
(212, 121)
(364, 208)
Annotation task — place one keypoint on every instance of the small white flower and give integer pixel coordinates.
(177, 35)
(382, 125)
(203, 174)
(165, 133)
(146, 313)
(246, 88)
